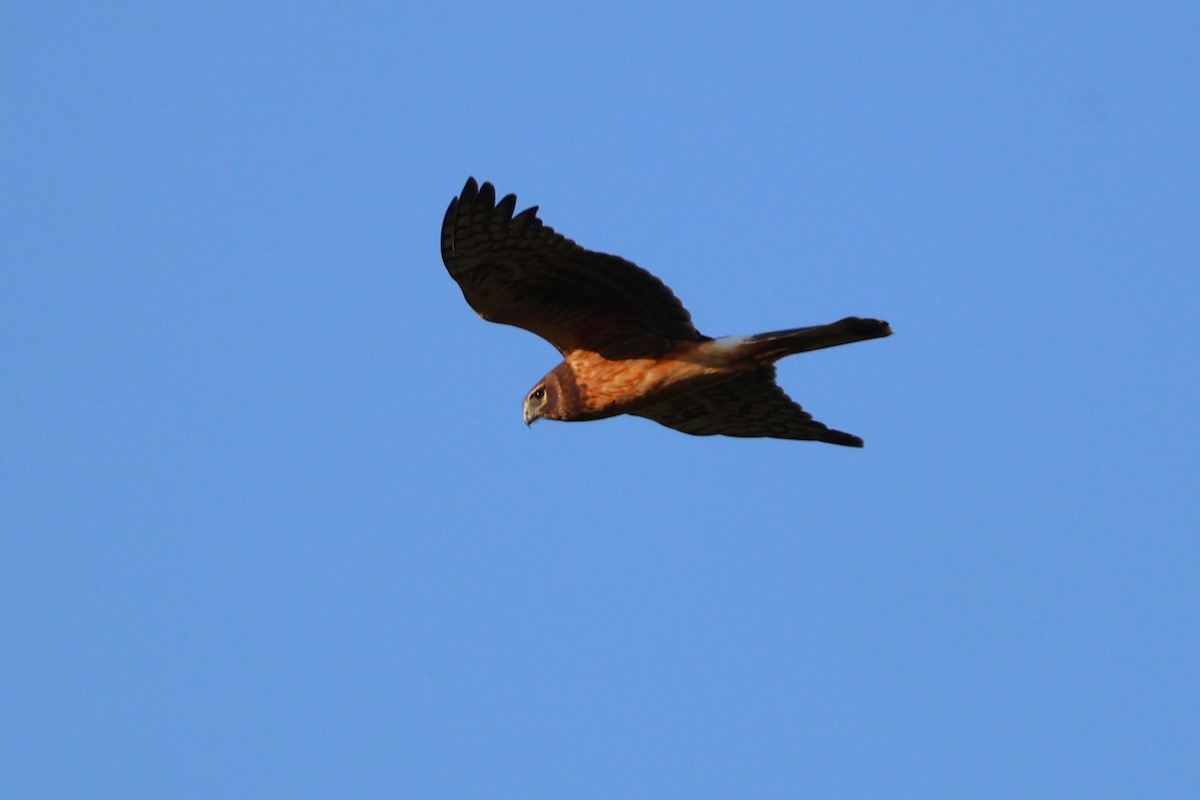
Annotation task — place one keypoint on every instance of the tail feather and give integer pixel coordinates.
(771, 347)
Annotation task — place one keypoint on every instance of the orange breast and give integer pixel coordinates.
(610, 387)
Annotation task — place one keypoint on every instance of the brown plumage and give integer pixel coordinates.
(628, 344)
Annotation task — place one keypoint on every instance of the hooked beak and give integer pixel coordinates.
(533, 409)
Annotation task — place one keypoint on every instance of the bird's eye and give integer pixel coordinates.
(538, 394)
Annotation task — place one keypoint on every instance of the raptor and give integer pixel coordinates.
(628, 344)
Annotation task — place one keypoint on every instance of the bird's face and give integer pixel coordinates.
(536, 402)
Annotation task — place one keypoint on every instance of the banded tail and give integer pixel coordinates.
(770, 347)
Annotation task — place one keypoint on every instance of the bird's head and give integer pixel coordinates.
(555, 396)
(538, 401)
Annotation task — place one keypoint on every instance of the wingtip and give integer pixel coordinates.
(449, 220)
(486, 198)
(841, 437)
(507, 205)
(469, 190)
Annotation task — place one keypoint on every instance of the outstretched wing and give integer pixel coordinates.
(517, 271)
(750, 405)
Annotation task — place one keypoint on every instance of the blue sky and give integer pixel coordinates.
(272, 526)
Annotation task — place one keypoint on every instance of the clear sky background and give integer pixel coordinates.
(272, 526)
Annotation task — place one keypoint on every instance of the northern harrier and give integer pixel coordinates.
(628, 344)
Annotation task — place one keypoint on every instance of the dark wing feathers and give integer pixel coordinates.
(518, 271)
(749, 405)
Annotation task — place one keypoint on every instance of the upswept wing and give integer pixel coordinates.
(749, 405)
(517, 271)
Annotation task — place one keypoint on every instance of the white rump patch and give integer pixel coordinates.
(729, 342)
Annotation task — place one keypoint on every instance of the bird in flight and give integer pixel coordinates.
(628, 344)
